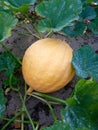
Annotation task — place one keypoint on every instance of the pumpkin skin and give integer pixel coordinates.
(46, 65)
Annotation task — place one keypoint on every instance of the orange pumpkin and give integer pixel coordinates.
(47, 66)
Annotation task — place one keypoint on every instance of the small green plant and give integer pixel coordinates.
(68, 18)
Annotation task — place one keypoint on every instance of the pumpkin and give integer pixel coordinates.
(46, 65)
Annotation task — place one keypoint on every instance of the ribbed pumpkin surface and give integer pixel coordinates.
(46, 65)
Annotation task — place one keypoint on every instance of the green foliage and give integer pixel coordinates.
(81, 112)
(18, 5)
(9, 66)
(5, 10)
(58, 14)
(87, 20)
(74, 18)
(85, 61)
(2, 103)
(58, 125)
(7, 21)
(77, 30)
(93, 26)
(82, 108)
(7, 63)
(88, 13)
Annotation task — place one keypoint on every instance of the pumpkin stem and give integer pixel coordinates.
(30, 89)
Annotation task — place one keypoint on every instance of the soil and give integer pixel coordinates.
(38, 110)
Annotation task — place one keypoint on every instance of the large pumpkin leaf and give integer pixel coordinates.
(5, 10)
(19, 5)
(93, 26)
(88, 1)
(7, 21)
(58, 14)
(88, 13)
(2, 103)
(77, 30)
(58, 125)
(85, 61)
(82, 108)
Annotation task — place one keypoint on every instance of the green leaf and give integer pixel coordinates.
(81, 112)
(87, 1)
(11, 80)
(9, 65)
(58, 125)
(7, 21)
(82, 108)
(2, 103)
(58, 14)
(20, 5)
(96, 9)
(85, 61)
(93, 26)
(77, 30)
(5, 10)
(88, 13)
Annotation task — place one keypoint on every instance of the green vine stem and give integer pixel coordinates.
(22, 124)
(12, 120)
(10, 84)
(49, 105)
(50, 97)
(6, 49)
(32, 123)
(21, 121)
(24, 108)
(49, 34)
(34, 27)
(22, 34)
(37, 126)
(61, 33)
(26, 27)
